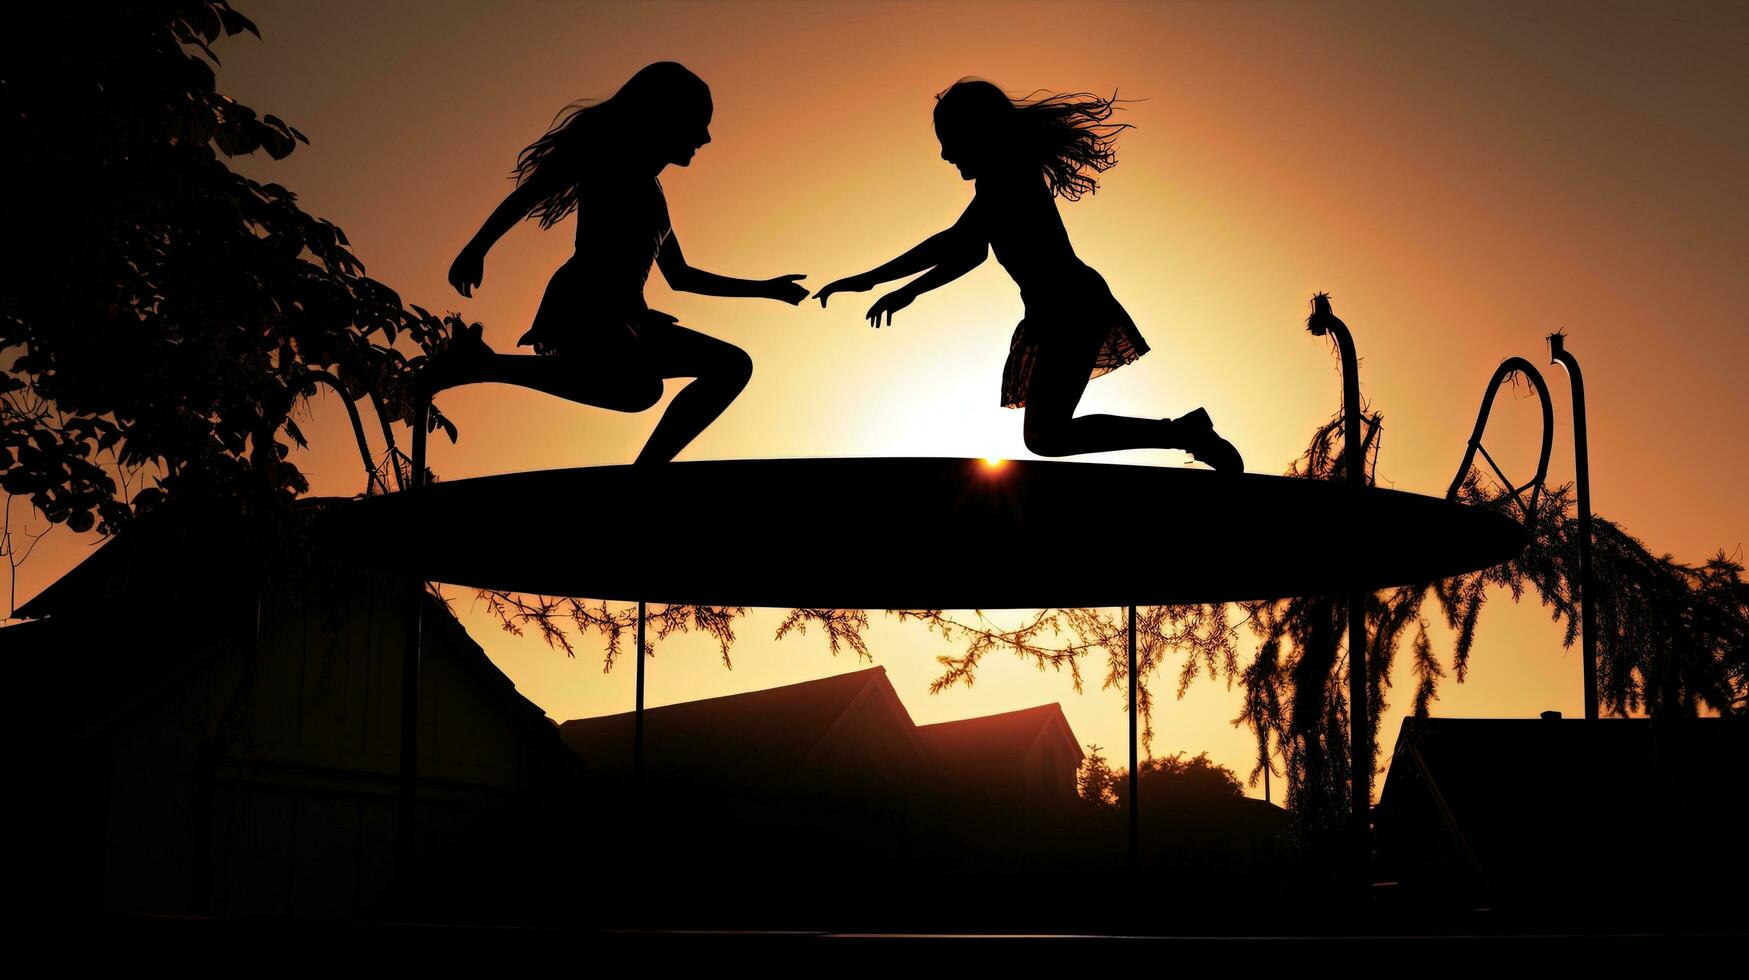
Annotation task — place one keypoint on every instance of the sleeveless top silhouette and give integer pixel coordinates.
(596, 299)
(1069, 306)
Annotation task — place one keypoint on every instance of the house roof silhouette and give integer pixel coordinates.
(758, 736)
(235, 737)
(977, 744)
(849, 729)
(1525, 809)
(196, 582)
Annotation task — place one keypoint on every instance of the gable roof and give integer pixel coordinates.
(109, 611)
(159, 557)
(1484, 765)
(771, 732)
(994, 740)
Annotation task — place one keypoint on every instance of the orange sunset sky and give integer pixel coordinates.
(1463, 178)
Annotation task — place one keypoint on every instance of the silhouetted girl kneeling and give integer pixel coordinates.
(1022, 155)
(595, 340)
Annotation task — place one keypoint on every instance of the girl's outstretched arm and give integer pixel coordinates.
(941, 275)
(687, 279)
(947, 248)
(470, 266)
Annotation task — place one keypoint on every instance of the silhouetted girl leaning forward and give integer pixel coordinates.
(1023, 155)
(595, 340)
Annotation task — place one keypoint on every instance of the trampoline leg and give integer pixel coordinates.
(638, 710)
(406, 849)
(1360, 728)
(1135, 768)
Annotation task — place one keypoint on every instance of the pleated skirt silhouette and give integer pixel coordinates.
(1076, 313)
(578, 317)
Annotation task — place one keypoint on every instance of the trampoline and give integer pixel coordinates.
(934, 533)
(916, 533)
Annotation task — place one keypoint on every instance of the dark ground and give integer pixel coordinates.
(204, 946)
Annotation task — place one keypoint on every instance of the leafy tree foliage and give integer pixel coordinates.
(1174, 777)
(162, 314)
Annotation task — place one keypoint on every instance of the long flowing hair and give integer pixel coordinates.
(1068, 135)
(601, 125)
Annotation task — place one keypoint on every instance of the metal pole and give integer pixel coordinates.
(638, 712)
(1582, 475)
(1354, 463)
(406, 851)
(1135, 768)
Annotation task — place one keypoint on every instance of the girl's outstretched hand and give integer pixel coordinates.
(787, 289)
(467, 270)
(889, 304)
(851, 284)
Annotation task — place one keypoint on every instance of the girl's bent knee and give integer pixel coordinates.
(736, 367)
(635, 394)
(1046, 440)
(647, 393)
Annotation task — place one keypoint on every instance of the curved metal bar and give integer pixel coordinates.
(1324, 321)
(1508, 367)
(370, 470)
(1321, 322)
(1581, 476)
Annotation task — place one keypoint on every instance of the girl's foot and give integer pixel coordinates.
(1197, 436)
(457, 362)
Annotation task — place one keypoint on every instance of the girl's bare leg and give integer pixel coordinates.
(1059, 377)
(623, 386)
(622, 377)
(605, 374)
(720, 371)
